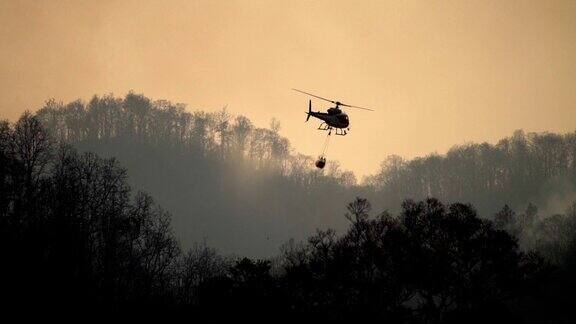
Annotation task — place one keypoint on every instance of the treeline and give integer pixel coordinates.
(213, 135)
(243, 190)
(73, 237)
(537, 168)
(237, 186)
(70, 231)
(515, 171)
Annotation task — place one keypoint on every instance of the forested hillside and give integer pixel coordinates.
(243, 190)
(225, 181)
(522, 169)
(75, 235)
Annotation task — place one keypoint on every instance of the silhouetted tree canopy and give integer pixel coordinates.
(211, 169)
(74, 235)
(537, 168)
(70, 225)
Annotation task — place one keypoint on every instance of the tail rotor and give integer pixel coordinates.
(309, 109)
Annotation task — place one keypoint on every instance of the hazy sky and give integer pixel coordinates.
(438, 73)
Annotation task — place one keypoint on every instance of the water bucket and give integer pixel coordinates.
(321, 162)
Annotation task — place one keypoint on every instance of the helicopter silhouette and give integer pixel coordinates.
(334, 119)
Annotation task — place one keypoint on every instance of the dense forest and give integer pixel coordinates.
(74, 234)
(243, 190)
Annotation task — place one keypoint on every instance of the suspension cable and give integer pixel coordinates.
(326, 142)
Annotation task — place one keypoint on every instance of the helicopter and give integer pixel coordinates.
(334, 119)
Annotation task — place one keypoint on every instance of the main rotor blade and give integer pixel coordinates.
(337, 103)
(345, 105)
(332, 101)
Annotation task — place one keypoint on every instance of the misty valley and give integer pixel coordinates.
(126, 204)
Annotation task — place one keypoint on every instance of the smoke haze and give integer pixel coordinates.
(437, 73)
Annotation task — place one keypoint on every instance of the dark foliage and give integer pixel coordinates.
(70, 232)
(432, 264)
(224, 168)
(230, 172)
(537, 168)
(73, 237)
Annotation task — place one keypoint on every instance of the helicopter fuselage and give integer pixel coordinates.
(333, 118)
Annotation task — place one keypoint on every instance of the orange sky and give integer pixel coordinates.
(438, 73)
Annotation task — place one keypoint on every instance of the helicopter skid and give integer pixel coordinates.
(337, 131)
